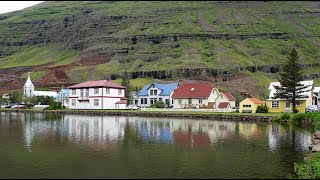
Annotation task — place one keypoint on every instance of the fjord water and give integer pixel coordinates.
(36, 145)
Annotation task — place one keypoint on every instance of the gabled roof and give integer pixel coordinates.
(166, 89)
(229, 96)
(255, 100)
(99, 83)
(198, 90)
(223, 104)
(273, 90)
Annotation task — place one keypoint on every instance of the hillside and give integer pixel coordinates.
(238, 45)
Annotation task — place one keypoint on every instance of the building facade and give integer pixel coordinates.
(63, 97)
(156, 92)
(282, 105)
(101, 94)
(250, 105)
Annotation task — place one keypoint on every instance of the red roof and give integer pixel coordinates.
(100, 83)
(229, 96)
(200, 90)
(223, 104)
(256, 101)
(122, 102)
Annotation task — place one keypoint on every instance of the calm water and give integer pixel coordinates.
(77, 146)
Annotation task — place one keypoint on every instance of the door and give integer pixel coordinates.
(287, 109)
(190, 103)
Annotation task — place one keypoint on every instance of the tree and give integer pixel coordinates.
(291, 88)
(126, 83)
(15, 97)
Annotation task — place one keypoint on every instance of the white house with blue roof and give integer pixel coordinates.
(63, 95)
(156, 92)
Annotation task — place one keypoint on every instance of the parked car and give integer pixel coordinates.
(312, 108)
(21, 106)
(133, 107)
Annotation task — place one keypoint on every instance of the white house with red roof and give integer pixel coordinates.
(101, 94)
(201, 95)
(225, 101)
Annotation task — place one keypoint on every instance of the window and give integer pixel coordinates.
(119, 91)
(81, 92)
(155, 92)
(200, 101)
(96, 102)
(153, 100)
(180, 101)
(298, 103)
(143, 100)
(167, 101)
(73, 102)
(160, 99)
(246, 105)
(96, 90)
(151, 92)
(73, 92)
(108, 90)
(87, 92)
(275, 104)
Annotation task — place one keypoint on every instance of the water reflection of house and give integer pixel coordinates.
(249, 130)
(90, 130)
(278, 134)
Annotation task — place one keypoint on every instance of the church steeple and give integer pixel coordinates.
(28, 87)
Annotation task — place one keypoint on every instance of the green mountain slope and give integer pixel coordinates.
(94, 40)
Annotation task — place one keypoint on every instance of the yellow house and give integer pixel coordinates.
(281, 105)
(250, 105)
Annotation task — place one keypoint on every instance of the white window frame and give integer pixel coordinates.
(275, 104)
(87, 92)
(246, 105)
(179, 101)
(108, 91)
(95, 102)
(96, 90)
(119, 91)
(74, 102)
(200, 101)
(73, 92)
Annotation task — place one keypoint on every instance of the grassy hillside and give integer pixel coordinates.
(158, 36)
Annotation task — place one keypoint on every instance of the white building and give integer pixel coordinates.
(28, 90)
(156, 92)
(102, 94)
(202, 95)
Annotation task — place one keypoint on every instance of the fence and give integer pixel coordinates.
(188, 110)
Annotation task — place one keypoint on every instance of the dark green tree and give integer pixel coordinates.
(126, 83)
(15, 97)
(291, 89)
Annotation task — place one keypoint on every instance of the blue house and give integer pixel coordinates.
(156, 92)
(63, 95)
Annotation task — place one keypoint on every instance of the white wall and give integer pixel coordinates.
(185, 102)
(106, 102)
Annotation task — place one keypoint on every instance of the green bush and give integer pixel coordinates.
(285, 116)
(262, 109)
(159, 104)
(297, 118)
(54, 105)
(276, 119)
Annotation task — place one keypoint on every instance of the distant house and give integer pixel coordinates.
(316, 97)
(156, 92)
(101, 94)
(63, 95)
(28, 90)
(202, 95)
(282, 105)
(250, 105)
(225, 100)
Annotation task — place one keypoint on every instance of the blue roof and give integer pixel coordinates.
(65, 93)
(166, 89)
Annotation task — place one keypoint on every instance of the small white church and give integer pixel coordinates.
(28, 90)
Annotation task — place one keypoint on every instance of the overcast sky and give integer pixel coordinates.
(8, 6)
